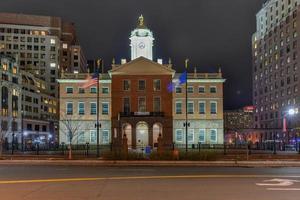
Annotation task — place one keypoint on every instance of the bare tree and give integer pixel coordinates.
(70, 127)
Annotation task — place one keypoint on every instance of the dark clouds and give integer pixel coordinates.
(211, 33)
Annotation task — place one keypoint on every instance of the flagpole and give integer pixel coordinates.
(99, 61)
(186, 107)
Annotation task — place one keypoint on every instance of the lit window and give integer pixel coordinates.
(213, 135)
(65, 46)
(52, 41)
(105, 136)
(105, 108)
(178, 107)
(52, 64)
(202, 135)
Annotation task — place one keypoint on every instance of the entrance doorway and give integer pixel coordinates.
(142, 135)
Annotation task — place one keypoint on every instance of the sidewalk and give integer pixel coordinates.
(105, 163)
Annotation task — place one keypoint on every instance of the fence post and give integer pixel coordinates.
(274, 146)
(173, 146)
(199, 146)
(63, 148)
(87, 149)
(299, 147)
(37, 148)
(224, 146)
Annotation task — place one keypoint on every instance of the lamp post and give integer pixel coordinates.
(13, 137)
(98, 125)
(186, 107)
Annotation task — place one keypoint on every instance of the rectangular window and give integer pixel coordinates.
(69, 90)
(81, 90)
(142, 104)
(69, 108)
(202, 107)
(156, 104)
(142, 84)
(105, 108)
(93, 90)
(202, 135)
(179, 135)
(190, 89)
(191, 136)
(213, 107)
(81, 138)
(126, 85)
(93, 108)
(93, 137)
(190, 107)
(213, 135)
(81, 108)
(105, 90)
(178, 90)
(105, 136)
(126, 105)
(201, 89)
(156, 85)
(178, 107)
(213, 89)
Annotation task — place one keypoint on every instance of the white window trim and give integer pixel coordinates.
(107, 108)
(83, 107)
(107, 89)
(69, 87)
(177, 102)
(213, 87)
(159, 85)
(192, 89)
(129, 82)
(93, 131)
(181, 135)
(216, 136)
(204, 107)
(180, 90)
(199, 89)
(139, 84)
(160, 107)
(69, 102)
(102, 136)
(91, 90)
(191, 131)
(202, 129)
(216, 107)
(193, 107)
(91, 108)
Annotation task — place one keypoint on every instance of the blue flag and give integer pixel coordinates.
(182, 80)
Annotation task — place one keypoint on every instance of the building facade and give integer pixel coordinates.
(275, 47)
(138, 105)
(28, 112)
(44, 46)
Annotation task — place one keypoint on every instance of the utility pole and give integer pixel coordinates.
(98, 125)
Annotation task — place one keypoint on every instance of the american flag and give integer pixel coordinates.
(91, 80)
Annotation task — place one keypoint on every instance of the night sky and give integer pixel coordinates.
(211, 33)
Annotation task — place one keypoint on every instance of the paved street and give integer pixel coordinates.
(61, 182)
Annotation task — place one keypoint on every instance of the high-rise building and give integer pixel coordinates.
(275, 48)
(44, 46)
(136, 101)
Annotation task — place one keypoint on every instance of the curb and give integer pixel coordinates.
(102, 163)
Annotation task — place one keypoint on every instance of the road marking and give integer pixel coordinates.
(284, 189)
(140, 177)
(278, 182)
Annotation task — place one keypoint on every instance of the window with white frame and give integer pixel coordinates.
(93, 90)
(179, 135)
(105, 90)
(190, 89)
(202, 107)
(81, 108)
(213, 89)
(93, 137)
(142, 104)
(178, 107)
(81, 138)
(202, 135)
(69, 108)
(178, 89)
(191, 136)
(213, 135)
(69, 90)
(201, 89)
(93, 108)
(105, 136)
(105, 108)
(190, 107)
(213, 107)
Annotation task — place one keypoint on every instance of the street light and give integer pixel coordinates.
(290, 112)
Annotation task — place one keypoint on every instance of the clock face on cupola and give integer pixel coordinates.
(141, 41)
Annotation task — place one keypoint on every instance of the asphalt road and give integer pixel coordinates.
(143, 183)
